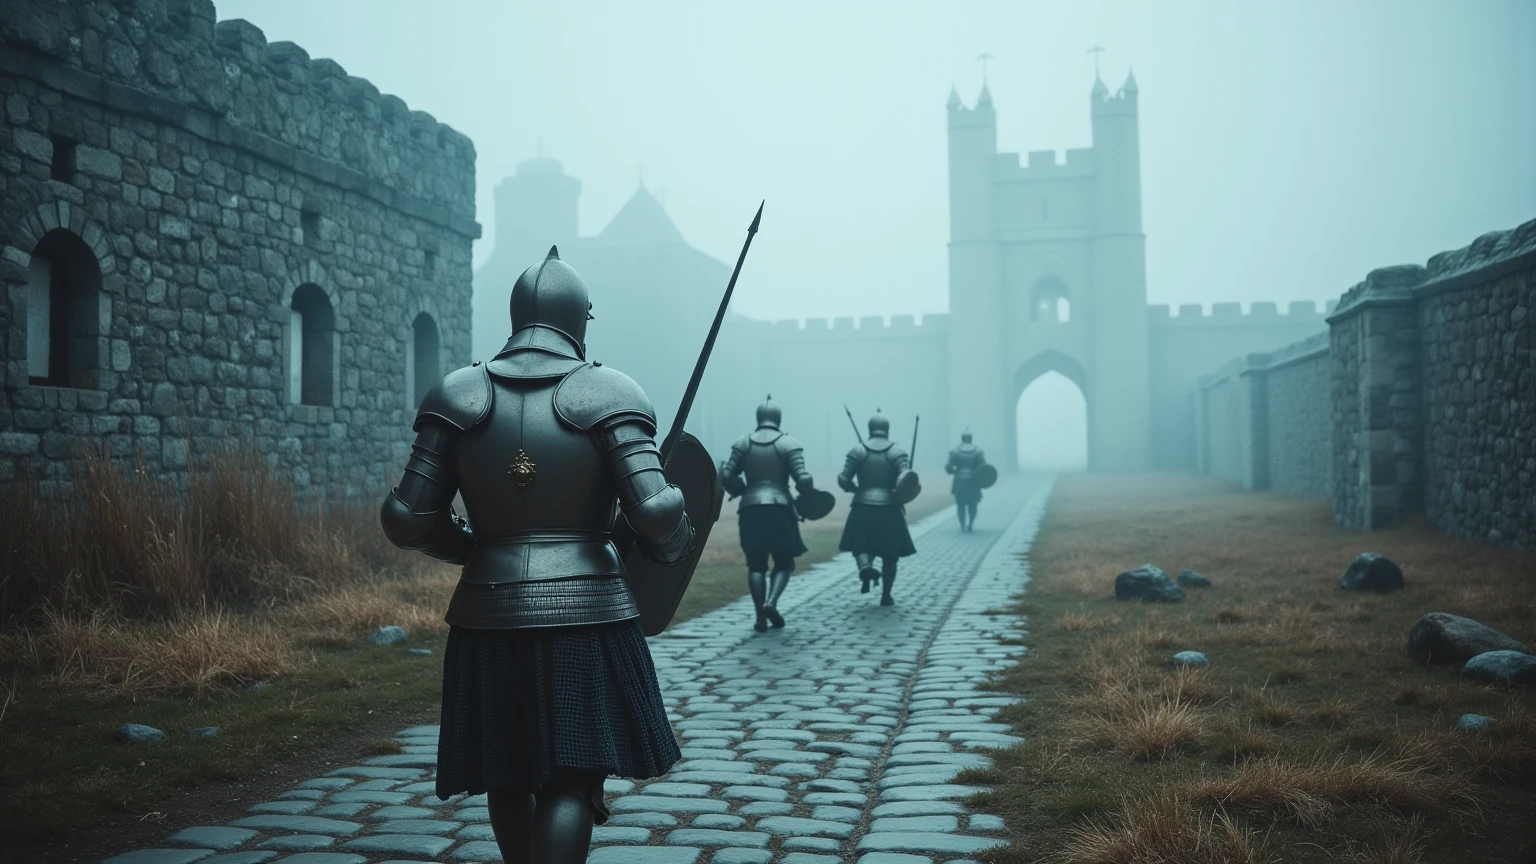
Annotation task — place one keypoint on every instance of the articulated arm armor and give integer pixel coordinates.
(730, 469)
(653, 507)
(418, 514)
(851, 469)
(796, 463)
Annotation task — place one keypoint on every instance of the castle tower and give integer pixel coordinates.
(535, 209)
(1121, 431)
(977, 382)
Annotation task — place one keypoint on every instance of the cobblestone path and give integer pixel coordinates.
(833, 740)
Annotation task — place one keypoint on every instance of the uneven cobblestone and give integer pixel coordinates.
(836, 739)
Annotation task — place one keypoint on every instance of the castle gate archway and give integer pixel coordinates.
(1056, 389)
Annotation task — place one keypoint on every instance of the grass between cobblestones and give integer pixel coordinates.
(126, 605)
(1311, 736)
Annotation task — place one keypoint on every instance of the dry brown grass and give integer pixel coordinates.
(1312, 725)
(1163, 828)
(125, 586)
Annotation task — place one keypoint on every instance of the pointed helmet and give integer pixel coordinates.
(768, 413)
(879, 425)
(965, 437)
(551, 297)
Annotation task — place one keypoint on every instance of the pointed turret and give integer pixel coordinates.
(1130, 88)
(985, 98)
(954, 99)
(1099, 90)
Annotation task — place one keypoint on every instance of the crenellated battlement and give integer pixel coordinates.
(867, 327)
(1044, 165)
(1227, 314)
(170, 60)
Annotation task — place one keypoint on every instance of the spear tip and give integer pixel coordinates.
(757, 220)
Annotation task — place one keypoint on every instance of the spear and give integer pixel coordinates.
(851, 422)
(676, 431)
(912, 454)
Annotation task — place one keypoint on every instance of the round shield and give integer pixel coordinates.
(907, 487)
(814, 504)
(658, 588)
(985, 476)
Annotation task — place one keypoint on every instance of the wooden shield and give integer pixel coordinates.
(658, 588)
(985, 476)
(907, 487)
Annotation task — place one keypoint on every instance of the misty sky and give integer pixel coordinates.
(1287, 147)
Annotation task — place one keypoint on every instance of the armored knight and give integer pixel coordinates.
(964, 462)
(759, 471)
(877, 521)
(548, 685)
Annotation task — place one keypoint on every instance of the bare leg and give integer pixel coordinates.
(887, 579)
(562, 822)
(512, 822)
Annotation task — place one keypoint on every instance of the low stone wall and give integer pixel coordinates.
(1421, 398)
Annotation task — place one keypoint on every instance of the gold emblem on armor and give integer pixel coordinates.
(522, 469)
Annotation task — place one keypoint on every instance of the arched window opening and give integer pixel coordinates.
(422, 368)
(63, 312)
(1052, 424)
(1049, 301)
(311, 347)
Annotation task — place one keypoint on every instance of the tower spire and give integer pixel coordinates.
(1098, 82)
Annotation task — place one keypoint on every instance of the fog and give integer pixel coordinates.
(1287, 148)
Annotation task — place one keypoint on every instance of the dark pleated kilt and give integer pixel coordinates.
(770, 529)
(878, 531)
(965, 491)
(519, 704)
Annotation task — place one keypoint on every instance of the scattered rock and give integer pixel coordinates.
(390, 635)
(1147, 583)
(1190, 658)
(419, 652)
(138, 733)
(1191, 579)
(1372, 572)
(1510, 667)
(1442, 638)
(204, 732)
(1474, 722)
(259, 686)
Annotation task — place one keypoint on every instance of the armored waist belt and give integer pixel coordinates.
(874, 496)
(542, 556)
(559, 603)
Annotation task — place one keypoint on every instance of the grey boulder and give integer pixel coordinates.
(1147, 583)
(1443, 638)
(138, 733)
(1372, 572)
(390, 635)
(1508, 667)
(1191, 579)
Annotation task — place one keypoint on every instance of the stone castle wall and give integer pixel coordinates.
(209, 178)
(1422, 399)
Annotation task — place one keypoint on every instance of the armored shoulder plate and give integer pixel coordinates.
(765, 436)
(786, 444)
(462, 399)
(858, 453)
(742, 444)
(592, 394)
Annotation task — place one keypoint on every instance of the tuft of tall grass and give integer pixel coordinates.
(1163, 828)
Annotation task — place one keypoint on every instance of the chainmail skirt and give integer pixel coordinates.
(770, 530)
(877, 530)
(519, 705)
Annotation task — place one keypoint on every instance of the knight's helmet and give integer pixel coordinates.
(768, 413)
(965, 437)
(550, 301)
(879, 425)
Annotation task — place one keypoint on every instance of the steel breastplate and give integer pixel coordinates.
(877, 478)
(767, 477)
